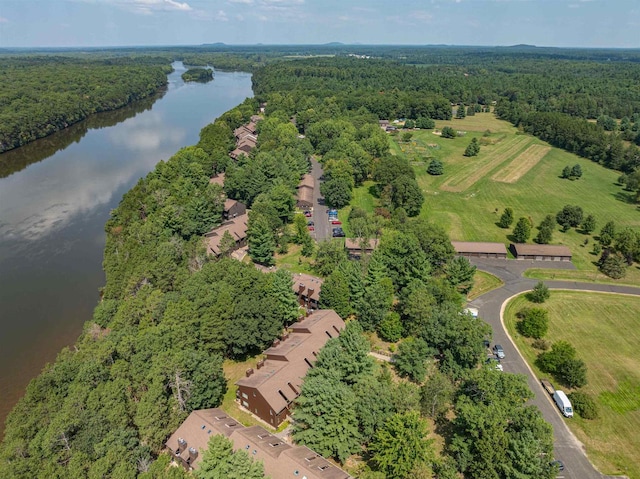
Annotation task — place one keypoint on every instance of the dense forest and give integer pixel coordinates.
(202, 75)
(169, 314)
(43, 94)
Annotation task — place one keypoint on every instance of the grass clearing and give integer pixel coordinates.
(483, 282)
(487, 161)
(471, 215)
(294, 261)
(605, 330)
(233, 371)
(521, 164)
(581, 276)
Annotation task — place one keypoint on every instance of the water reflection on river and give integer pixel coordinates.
(52, 214)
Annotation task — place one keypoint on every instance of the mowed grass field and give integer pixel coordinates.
(515, 170)
(605, 330)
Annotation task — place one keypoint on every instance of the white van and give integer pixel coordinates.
(563, 403)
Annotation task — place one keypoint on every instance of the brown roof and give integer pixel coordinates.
(198, 428)
(256, 118)
(302, 283)
(541, 250)
(244, 130)
(287, 362)
(280, 460)
(462, 247)
(218, 179)
(237, 152)
(307, 180)
(305, 196)
(237, 228)
(247, 140)
(229, 203)
(355, 245)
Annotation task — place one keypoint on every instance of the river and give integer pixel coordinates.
(55, 197)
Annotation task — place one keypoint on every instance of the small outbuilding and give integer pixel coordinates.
(233, 208)
(355, 247)
(541, 252)
(477, 249)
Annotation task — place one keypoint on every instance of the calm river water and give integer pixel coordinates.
(55, 197)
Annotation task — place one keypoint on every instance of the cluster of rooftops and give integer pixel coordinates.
(268, 394)
(280, 460)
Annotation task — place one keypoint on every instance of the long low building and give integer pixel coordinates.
(269, 391)
(541, 252)
(280, 460)
(477, 249)
(237, 229)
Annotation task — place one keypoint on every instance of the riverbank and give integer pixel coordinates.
(54, 208)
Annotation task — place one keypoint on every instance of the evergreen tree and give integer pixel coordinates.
(460, 273)
(540, 293)
(435, 167)
(325, 417)
(607, 233)
(448, 132)
(576, 171)
(566, 172)
(282, 291)
(220, 461)
(522, 231)
(335, 294)
(506, 220)
(589, 224)
(262, 245)
(461, 112)
(473, 148)
(401, 444)
(227, 244)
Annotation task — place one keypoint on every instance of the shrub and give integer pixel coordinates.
(572, 373)
(539, 294)
(448, 132)
(534, 322)
(584, 405)
(390, 328)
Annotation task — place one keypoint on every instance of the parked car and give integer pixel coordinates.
(307, 214)
(336, 222)
(311, 228)
(310, 223)
(558, 463)
(499, 352)
(338, 233)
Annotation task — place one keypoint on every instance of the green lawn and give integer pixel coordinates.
(483, 282)
(605, 330)
(471, 213)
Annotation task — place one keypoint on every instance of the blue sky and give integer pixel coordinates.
(572, 23)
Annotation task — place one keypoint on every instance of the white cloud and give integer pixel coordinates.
(221, 16)
(243, 2)
(147, 7)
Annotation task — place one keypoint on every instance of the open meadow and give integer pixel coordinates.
(512, 170)
(605, 330)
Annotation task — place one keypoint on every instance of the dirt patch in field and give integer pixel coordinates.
(520, 165)
(479, 169)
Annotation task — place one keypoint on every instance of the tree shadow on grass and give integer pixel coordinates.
(628, 198)
(373, 191)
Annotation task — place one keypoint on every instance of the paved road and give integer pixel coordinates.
(491, 307)
(320, 217)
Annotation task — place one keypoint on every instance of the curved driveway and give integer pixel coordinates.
(491, 305)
